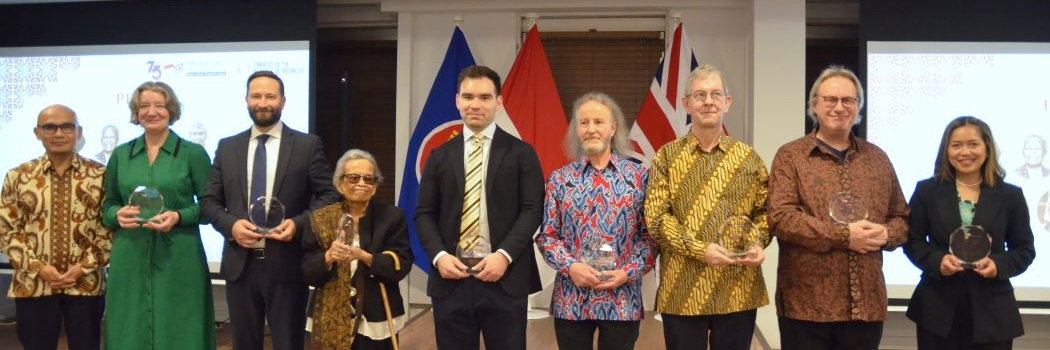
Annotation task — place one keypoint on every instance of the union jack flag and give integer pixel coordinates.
(662, 117)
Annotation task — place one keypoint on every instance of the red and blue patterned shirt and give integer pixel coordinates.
(585, 205)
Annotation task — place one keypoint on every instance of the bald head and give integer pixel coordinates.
(56, 109)
(58, 130)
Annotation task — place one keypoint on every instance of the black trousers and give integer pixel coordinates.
(807, 335)
(960, 337)
(955, 341)
(579, 335)
(255, 299)
(479, 308)
(40, 321)
(362, 342)
(728, 331)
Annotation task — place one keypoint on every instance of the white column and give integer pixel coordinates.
(777, 95)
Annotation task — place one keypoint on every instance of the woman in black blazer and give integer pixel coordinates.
(367, 268)
(967, 308)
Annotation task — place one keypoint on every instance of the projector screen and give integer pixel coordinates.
(97, 82)
(916, 88)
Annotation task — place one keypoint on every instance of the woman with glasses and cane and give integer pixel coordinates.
(356, 252)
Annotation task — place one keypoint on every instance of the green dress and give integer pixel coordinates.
(159, 293)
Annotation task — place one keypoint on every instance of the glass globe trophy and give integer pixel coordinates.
(471, 251)
(735, 236)
(846, 208)
(266, 214)
(970, 244)
(149, 201)
(600, 256)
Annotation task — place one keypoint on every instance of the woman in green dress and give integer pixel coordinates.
(159, 293)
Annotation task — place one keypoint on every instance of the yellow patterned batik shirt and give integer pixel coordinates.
(691, 193)
(51, 219)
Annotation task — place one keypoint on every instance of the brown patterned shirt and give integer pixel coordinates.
(690, 195)
(52, 219)
(818, 278)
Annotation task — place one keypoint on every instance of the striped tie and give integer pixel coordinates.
(469, 231)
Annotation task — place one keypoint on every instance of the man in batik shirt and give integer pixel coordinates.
(710, 289)
(830, 290)
(51, 231)
(594, 234)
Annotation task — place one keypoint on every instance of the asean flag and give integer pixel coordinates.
(439, 122)
(662, 117)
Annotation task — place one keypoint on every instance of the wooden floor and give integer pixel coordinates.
(419, 334)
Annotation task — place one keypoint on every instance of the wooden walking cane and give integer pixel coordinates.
(389, 318)
(386, 300)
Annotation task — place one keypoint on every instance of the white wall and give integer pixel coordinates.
(759, 45)
(778, 79)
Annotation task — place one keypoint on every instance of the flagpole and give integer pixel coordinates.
(533, 313)
(673, 20)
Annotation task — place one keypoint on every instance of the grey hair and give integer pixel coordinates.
(828, 73)
(705, 71)
(619, 140)
(355, 154)
(1043, 142)
(116, 132)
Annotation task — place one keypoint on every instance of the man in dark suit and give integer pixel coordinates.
(264, 271)
(502, 208)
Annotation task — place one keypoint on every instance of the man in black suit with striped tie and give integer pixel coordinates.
(481, 188)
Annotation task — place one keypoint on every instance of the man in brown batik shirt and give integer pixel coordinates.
(51, 231)
(831, 293)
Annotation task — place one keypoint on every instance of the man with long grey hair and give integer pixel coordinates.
(594, 233)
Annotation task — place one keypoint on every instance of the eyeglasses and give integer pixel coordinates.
(701, 96)
(66, 128)
(831, 101)
(355, 178)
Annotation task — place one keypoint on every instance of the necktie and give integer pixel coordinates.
(469, 231)
(259, 169)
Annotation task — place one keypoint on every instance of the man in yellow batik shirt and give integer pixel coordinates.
(710, 282)
(51, 231)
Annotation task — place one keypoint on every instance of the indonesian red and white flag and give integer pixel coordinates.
(532, 106)
(662, 117)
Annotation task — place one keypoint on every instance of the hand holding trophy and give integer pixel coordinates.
(845, 208)
(471, 251)
(266, 213)
(149, 202)
(736, 236)
(600, 256)
(970, 244)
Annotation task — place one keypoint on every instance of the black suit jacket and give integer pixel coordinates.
(383, 231)
(1001, 210)
(303, 182)
(514, 197)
